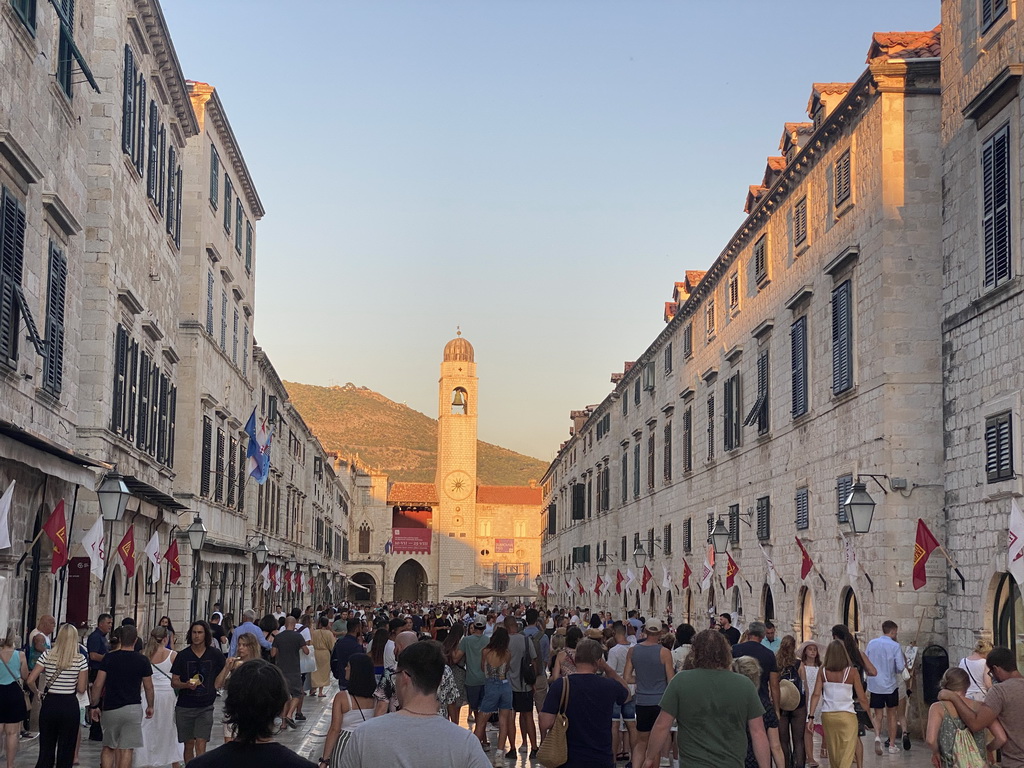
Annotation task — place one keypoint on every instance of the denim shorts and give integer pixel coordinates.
(497, 696)
(626, 712)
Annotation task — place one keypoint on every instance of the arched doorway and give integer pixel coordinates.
(737, 602)
(1008, 616)
(768, 603)
(851, 610)
(806, 614)
(410, 582)
(711, 611)
(366, 595)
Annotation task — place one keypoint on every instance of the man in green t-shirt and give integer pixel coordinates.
(714, 707)
(472, 645)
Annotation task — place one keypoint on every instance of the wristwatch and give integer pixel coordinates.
(323, 761)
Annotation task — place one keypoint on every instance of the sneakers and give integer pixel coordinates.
(878, 746)
(894, 750)
(906, 740)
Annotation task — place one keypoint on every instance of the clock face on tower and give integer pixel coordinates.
(458, 485)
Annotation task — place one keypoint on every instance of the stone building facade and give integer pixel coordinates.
(807, 357)
(982, 313)
(421, 541)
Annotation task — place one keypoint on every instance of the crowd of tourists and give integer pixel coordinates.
(559, 686)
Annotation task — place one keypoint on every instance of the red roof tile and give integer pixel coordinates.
(754, 193)
(670, 310)
(509, 494)
(886, 46)
(776, 163)
(694, 276)
(423, 493)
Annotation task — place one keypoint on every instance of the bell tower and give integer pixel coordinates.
(456, 478)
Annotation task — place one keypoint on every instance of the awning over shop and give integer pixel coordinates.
(154, 496)
(17, 444)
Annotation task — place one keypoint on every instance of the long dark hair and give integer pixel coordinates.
(684, 635)
(170, 626)
(842, 633)
(451, 642)
(499, 641)
(572, 636)
(380, 639)
(256, 694)
(361, 680)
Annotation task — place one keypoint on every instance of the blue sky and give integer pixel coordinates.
(538, 172)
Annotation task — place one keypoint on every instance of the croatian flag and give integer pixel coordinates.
(258, 453)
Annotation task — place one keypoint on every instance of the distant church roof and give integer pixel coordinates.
(412, 493)
(458, 350)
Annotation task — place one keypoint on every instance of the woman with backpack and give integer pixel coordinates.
(792, 722)
(952, 744)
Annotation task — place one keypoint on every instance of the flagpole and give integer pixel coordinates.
(64, 570)
(956, 569)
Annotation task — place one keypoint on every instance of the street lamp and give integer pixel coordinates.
(261, 552)
(640, 556)
(720, 538)
(602, 564)
(196, 538)
(860, 508)
(315, 568)
(292, 564)
(113, 495)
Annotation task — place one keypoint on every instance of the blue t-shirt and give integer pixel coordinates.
(591, 700)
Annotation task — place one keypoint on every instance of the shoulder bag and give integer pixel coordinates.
(20, 682)
(527, 670)
(554, 751)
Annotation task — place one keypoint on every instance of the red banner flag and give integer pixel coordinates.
(619, 578)
(645, 579)
(56, 528)
(579, 586)
(598, 584)
(686, 575)
(731, 569)
(806, 563)
(171, 556)
(126, 549)
(923, 546)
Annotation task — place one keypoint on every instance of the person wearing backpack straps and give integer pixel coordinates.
(953, 744)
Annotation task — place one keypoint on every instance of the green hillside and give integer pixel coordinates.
(394, 438)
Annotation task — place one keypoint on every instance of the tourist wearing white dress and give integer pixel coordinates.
(160, 745)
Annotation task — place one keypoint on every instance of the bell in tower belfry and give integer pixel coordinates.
(459, 401)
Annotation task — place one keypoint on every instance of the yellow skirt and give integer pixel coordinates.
(840, 737)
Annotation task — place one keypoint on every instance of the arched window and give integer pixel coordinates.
(737, 601)
(1008, 616)
(364, 539)
(768, 601)
(806, 615)
(851, 610)
(460, 402)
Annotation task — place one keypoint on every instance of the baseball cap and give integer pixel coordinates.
(480, 623)
(652, 626)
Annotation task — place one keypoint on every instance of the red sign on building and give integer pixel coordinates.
(504, 546)
(410, 541)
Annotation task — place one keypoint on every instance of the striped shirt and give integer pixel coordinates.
(62, 681)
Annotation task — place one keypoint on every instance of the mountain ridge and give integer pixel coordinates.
(394, 438)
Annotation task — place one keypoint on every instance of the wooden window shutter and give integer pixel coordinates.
(842, 178)
(579, 501)
(172, 413)
(132, 387)
(241, 475)
(844, 485)
(56, 297)
(164, 404)
(248, 246)
(142, 431)
(152, 170)
(711, 427)
(12, 250)
(650, 460)
(798, 355)
(995, 163)
(140, 134)
(636, 470)
(120, 371)
(667, 450)
(803, 520)
(688, 440)
(687, 535)
(218, 486)
(239, 218)
(764, 518)
(154, 408)
(161, 179)
(177, 208)
(128, 104)
(172, 190)
(999, 448)
(214, 176)
(734, 524)
(800, 222)
(842, 339)
(625, 476)
(207, 457)
(232, 469)
(209, 302)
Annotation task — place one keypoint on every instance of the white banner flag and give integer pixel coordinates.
(153, 553)
(708, 569)
(851, 559)
(666, 579)
(94, 548)
(1015, 552)
(630, 579)
(5, 516)
(769, 563)
(265, 573)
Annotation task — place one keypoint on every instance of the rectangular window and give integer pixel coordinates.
(209, 302)
(245, 350)
(153, 157)
(650, 461)
(127, 103)
(214, 176)
(119, 408)
(636, 470)
(999, 447)
(844, 485)
(552, 520)
(224, 320)
(667, 453)
(12, 258)
(666, 539)
(56, 289)
(800, 222)
(623, 554)
(803, 517)
(173, 204)
(688, 340)
(207, 459)
(798, 358)
(734, 523)
(732, 402)
(605, 479)
(241, 476)
(711, 427)
(248, 246)
(842, 339)
(234, 339)
(579, 501)
(688, 439)
(228, 190)
(709, 317)
(991, 11)
(734, 292)
(761, 259)
(132, 396)
(625, 476)
(218, 486)
(764, 518)
(625, 402)
(142, 388)
(26, 10)
(842, 178)
(590, 498)
(239, 218)
(687, 536)
(65, 55)
(161, 176)
(140, 123)
(650, 543)
(636, 391)
(995, 219)
(177, 207)
(230, 478)
(759, 413)
(668, 357)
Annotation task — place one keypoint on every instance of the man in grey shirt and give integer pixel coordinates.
(522, 694)
(287, 646)
(398, 740)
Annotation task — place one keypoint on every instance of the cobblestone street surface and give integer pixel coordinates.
(307, 740)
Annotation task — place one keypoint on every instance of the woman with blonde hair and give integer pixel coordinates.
(835, 687)
(323, 644)
(980, 679)
(13, 669)
(65, 674)
(159, 736)
(944, 722)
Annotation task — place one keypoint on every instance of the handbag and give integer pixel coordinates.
(307, 663)
(527, 670)
(554, 751)
(21, 684)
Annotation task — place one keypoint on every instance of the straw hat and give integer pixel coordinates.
(789, 696)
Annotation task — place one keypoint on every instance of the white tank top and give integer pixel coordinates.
(837, 697)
